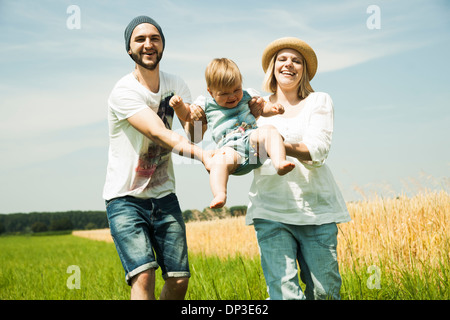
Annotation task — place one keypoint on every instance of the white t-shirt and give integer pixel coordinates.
(308, 195)
(136, 165)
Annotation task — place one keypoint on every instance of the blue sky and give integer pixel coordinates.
(389, 87)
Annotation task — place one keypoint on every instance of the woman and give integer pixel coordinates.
(295, 215)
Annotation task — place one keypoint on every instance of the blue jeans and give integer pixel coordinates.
(143, 228)
(313, 246)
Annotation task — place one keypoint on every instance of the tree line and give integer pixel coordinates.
(52, 221)
(37, 222)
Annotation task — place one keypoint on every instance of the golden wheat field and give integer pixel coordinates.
(220, 237)
(397, 233)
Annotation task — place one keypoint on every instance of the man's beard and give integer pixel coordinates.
(149, 66)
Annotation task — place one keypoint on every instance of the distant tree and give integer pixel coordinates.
(61, 224)
(238, 211)
(90, 226)
(39, 227)
(69, 220)
(188, 215)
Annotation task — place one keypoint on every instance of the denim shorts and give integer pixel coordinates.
(241, 144)
(149, 233)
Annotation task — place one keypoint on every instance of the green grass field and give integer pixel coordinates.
(38, 268)
(34, 268)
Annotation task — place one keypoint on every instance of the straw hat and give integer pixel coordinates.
(291, 43)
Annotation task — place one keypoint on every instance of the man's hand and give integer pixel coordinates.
(197, 114)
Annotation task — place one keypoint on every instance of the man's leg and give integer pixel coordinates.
(174, 289)
(143, 286)
(171, 247)
(129, 221)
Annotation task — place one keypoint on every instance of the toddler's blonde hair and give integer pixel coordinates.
(222, 74)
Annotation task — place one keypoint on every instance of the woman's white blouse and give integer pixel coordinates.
(308, 194)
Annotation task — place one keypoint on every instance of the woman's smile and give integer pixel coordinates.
(288, 67)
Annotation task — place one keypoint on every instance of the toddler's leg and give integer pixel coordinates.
(269, 137)
(225, 161)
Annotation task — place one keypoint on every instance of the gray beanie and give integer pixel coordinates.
(137, 21)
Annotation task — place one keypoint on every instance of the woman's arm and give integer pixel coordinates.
(316, 141)
(298, 150)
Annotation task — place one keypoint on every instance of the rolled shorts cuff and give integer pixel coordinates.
(176, 274)
(144, 267)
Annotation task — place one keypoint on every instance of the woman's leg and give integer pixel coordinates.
(278, 250)
(318, 261)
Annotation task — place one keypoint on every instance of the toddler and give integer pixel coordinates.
(240, 142)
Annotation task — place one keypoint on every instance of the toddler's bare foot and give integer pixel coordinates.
(219, 200)
(285, 167)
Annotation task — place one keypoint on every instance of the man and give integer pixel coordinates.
(143, 211)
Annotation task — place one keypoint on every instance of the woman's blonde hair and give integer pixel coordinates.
(222, 73)
(270, 83)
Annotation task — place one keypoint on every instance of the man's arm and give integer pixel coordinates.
(195, 130)
(198, 125)
(150, 125)
(192, 118)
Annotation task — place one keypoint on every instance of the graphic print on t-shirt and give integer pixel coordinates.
(152, 169)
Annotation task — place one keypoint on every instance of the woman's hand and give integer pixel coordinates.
(272, 109)
(256, 105)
